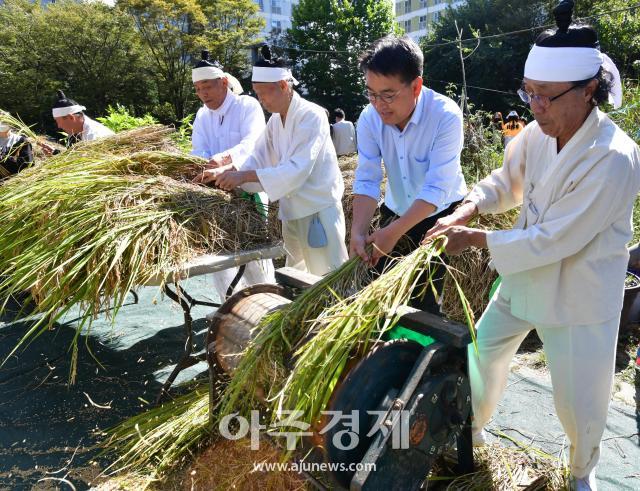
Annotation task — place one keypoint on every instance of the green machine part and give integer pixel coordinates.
(401, 332)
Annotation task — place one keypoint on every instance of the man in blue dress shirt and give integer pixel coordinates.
(416, 134)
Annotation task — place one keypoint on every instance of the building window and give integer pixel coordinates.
(407, 6)
(436, 16)
(422, 24)
(276, 27)
(276, 8)
(423, 4)
(261, 5)
(407, 25)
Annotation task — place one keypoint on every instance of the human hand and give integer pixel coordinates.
(230, 179)
(461, 216)
(459, 238)
(357, 245)
(383, 241)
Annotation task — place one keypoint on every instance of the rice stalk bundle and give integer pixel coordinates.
(87, 234)
(265, 364)
(348, 176)
(348, 162)
(162, 438)
(155, 137)
(501, 468)
(261, 369)
(471, 270)
(234, 465)
(349, 329)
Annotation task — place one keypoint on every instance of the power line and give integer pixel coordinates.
(472, 86)
(472, 39)
(520, 31)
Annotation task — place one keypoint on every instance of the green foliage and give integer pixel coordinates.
(628, 118)
(88, 49)
(232, 25)
(119, 119)
(498, 63)
(342, 29)
(173, 31)
(483, 150)
(182, 137)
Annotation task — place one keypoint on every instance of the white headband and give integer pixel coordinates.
(569, 65)
(59, 112)
(206, 73)
(213, 73)
(271, 74)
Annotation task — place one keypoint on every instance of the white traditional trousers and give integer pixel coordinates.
(580, 359)
(321, 260)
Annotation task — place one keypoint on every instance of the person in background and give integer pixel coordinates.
(497, 121)
(16, 152)
(226, 129)
(575, 176)
(344, 134)
(295, 163)
(512, 127)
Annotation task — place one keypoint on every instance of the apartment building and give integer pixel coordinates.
(417, 16)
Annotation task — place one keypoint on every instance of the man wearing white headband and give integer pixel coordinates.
(575, 175)
(295, 163)
(226, 129)
(71, 119)
(228, 124)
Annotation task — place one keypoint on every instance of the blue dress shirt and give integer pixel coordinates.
(421, 162)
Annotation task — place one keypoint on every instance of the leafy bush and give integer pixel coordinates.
(182, 136)
(118, 119)
(628, 118)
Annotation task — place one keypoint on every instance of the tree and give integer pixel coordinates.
(174, 31)
(88, 49)
(497, 63)
(232, 26)
(324, 43)
(496, 67)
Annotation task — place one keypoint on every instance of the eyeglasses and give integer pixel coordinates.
(386, 98)
(542, 100)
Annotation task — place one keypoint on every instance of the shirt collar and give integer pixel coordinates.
(419, 109)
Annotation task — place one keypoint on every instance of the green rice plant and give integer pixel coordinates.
(162, 438)
(263, 367)
(154, 137)
(349, 329)
(300, 351)
(83, 230)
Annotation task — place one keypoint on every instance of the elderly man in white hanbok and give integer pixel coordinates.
(295, 163)
(70, 118)
(575, 175)
(226, 129)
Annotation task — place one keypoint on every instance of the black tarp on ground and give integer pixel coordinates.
(44, 423)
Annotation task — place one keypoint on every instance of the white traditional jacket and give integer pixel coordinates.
(564, 263)
(297, 164)
(231, 129)
(92, 130)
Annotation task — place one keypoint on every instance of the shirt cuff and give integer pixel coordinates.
(478, 198)
(433, 195)
(367, 189)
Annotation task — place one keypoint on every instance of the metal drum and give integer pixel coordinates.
(233, 325)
